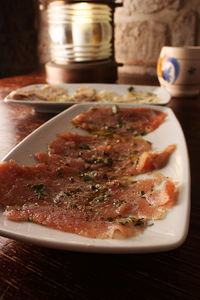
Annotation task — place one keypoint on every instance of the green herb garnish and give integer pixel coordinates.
(72, 204)
(134, 152)
(131, 129)
(139, 222)
(132, 219)
(56, 201)
(85, 147)
(67, 194)
(99, 160)
(143, 133)
(95, 187)
(116, 203)
(124, 223)
(95, 160)
(106, 153)
(39, 190)
(87, 178)
(115, 109)
(59, 173)
(30, 218)
(131, 89)
(108, 161)
(120, 123)
(99, 198)
(105, 176)
(71, 179)
(142, 194)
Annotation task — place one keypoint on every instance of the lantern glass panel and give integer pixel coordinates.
(79, 31)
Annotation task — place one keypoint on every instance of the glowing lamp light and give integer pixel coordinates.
(81, 41)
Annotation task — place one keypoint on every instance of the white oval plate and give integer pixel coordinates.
(121, 89)
(165, 234)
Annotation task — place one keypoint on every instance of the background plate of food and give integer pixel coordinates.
(55, 98)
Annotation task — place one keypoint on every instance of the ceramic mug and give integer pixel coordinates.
(178, 70)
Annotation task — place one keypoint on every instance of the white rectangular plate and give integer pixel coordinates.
(165, 234)
(55, 107)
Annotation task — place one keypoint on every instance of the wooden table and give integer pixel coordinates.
(31, 272)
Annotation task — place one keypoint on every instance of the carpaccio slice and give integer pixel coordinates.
(59, 163)
(91, 146)
(82, 204)
(108, 120)
(117, 156)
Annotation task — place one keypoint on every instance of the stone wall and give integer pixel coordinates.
(143, 27)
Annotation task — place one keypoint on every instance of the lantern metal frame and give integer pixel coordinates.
(104, 70)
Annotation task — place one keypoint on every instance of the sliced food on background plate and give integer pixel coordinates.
(55, 98)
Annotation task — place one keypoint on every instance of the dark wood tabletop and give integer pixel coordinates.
(31, 272)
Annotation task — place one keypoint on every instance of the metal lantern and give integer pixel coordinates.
(81, 41)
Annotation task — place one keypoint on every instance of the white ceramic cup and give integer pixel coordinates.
(178, 70)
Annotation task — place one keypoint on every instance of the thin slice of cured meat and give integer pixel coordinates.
(117, 156)
(93, 147)
(57, 218)
(149, 161)
(20, 184)
(74, 145)
(135, 163)
(109, 120)
(81, 204)
(143, 163)
(60, 164)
